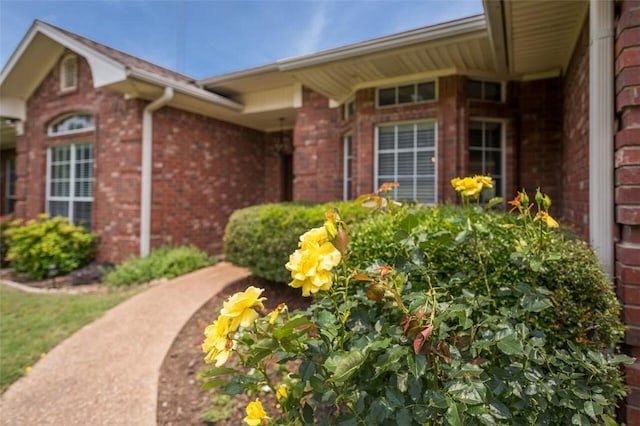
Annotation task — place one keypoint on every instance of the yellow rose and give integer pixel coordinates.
(281, 393)
(546, 218)
(485, 181)
(255, 413)
(217, 344)
(311, 266)
(468, 187)
(240, 307)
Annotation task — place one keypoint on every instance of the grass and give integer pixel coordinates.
(32, 324)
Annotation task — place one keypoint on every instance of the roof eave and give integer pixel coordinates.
(395, 41)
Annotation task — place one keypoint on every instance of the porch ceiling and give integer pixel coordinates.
(541, 35)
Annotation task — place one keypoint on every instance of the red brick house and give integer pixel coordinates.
(534, 93)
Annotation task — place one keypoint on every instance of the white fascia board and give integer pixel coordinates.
(231, 76)
(395, 41)
(13, 108)
(185, 89)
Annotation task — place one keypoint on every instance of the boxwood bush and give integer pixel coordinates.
(45, 245)
(163, 262)
(262, 237)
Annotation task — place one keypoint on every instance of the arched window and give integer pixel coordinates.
(72, 124)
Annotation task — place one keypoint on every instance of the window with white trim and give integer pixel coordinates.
(70, 182)
(486, 154)
(74, 123)
(406, 153)
(10, 185)
(69, 73)
(347, 166)
(484, 90)
(406, 94)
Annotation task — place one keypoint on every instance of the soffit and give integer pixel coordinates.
(237, 84)
(470, 54)
(542, 34)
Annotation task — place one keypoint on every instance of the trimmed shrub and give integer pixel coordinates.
(45, 245)
(164, 262)
(262, 237)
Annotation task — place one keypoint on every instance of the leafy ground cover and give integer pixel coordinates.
(32, 324)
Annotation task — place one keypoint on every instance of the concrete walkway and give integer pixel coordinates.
(107, 373)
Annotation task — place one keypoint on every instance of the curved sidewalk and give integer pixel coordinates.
(107, 372)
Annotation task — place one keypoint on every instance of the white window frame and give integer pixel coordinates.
(398, 85)
(503, 147)
(10, 184)
(503, 90)
(347, 178)
(71, 198)
(71, 58)
(52, 132)
(434, 158)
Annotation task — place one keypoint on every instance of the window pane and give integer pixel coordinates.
(386, 165)
(405, 190)
(386, 138)
(406, 94)
(426, 190)
(59, 188)
(58, 208)
(492, 138)
(426, 91)
(475, 162)
(426, 163)
(387, 96)
(474, 89)
(492, 91)
(72, 123)
(426, 135)
(405, 136)
(405, 164)
(493, 163)
(475, 134)
(82, 213)
(84, 188)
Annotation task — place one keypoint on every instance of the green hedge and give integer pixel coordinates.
(262, 237)
(453, 248)
(164, 262)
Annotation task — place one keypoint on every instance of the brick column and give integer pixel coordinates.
(627, 189)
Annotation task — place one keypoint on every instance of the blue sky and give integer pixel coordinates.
(207, 38)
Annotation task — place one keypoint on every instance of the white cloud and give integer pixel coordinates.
(311, 37)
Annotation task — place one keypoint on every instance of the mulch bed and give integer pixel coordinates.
(181, 401)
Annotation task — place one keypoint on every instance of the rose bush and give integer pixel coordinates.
(434, 316)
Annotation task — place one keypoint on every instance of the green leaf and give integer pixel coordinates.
(307, 414)
(535, 304)
(499, 410)
(467, 393)
(306, 370)
(403, 418)
(510, 345)
(218, 371)
(346, 365)
(285, 330)
(453, 415)
(210, 384)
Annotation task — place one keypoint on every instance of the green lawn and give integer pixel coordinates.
(32, 324)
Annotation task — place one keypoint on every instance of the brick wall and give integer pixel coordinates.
(540, 148)
(575, 139)
(203, 170)
(116, 143)
(317, 149)
(627, 188)
(320, 131)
